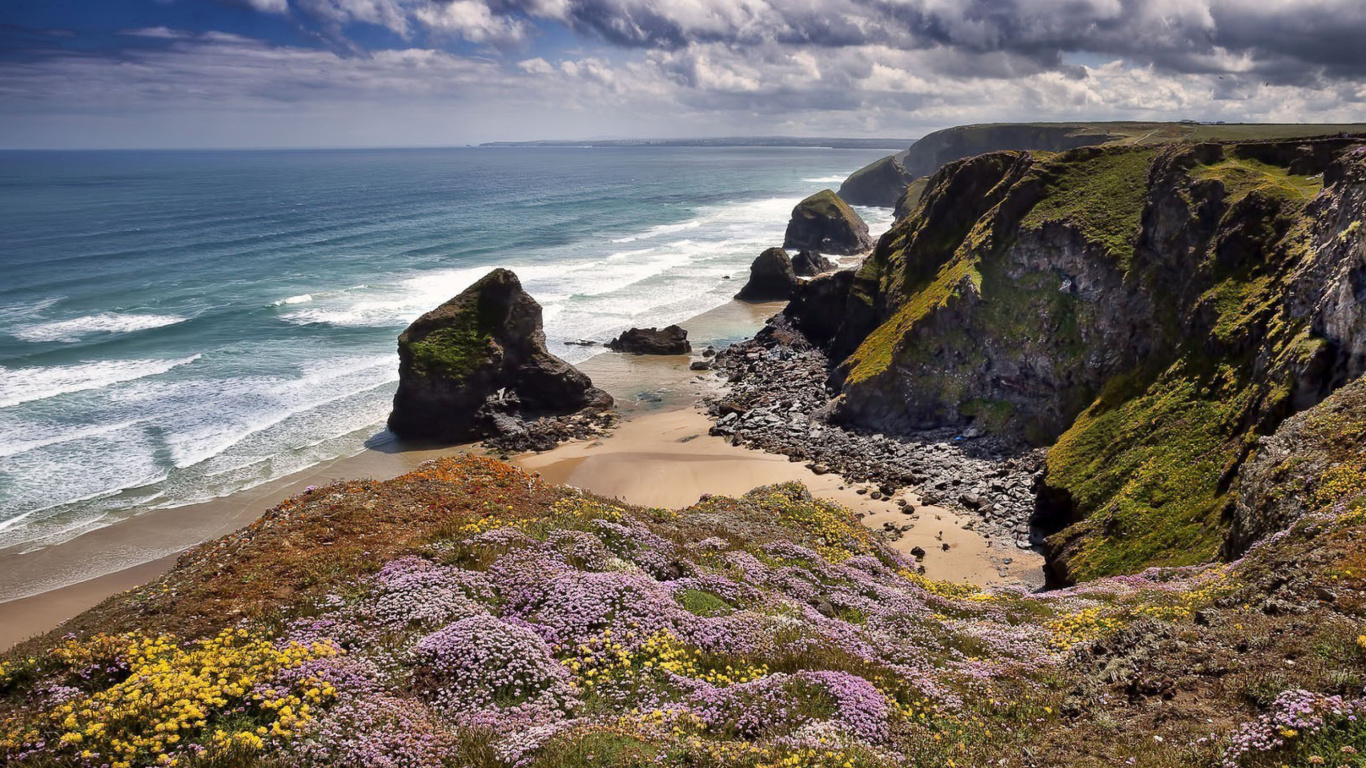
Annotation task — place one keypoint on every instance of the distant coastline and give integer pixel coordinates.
(896, 145)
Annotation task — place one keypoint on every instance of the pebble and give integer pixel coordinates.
(775, 401)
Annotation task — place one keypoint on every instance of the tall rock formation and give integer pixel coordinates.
(826, 224)
(771, 277)
(472, 363)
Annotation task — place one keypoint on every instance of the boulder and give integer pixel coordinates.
(478, 363)
(825, 223)
(651, 341)
(811, 263)
(771, 278)
(880, 183)
(818, 306)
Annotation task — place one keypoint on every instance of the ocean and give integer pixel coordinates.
(178, 326)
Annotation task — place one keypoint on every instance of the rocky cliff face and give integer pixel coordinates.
(934, 151)
(477, 364)
(826, 224)
(1150, 309)
(1312, 461)
(881, 183)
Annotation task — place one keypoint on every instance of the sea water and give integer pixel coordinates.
(177, 326)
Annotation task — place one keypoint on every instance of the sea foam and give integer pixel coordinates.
(102, 322)
(23, 385)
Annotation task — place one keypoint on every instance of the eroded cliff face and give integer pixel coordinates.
(1149, 310)
(935, 150)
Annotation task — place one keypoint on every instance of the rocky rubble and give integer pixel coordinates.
(510, 433)
(778, 401)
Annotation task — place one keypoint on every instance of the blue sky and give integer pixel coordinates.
(258, 73)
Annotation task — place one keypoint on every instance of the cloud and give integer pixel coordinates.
(472, 20)
(1286, 41)
(267, 6)
(157, 33)
(705, 67)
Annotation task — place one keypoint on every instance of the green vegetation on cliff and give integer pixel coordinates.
(454, 350)
(1144, 306)
(1099, 193)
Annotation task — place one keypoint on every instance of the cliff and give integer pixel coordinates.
(881, 183)
(886, 181)
(1148, 310)
(936, 150)
(470, 614)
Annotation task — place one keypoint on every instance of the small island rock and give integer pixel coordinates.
(825, 223)
(810, 264)
(477, 365)
(652, 341)
(771, 278)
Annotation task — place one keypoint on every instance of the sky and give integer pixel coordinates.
(321, 73)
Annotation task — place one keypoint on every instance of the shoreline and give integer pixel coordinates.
(660, 454)
(40, 587)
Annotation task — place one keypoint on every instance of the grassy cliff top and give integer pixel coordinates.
(1128, 132)
(468, 614)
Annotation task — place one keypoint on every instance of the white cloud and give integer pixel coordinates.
(704, 67)
(269, 6)
(471, 20)
(159, 33)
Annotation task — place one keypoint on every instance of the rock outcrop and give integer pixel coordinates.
(817, 306)
(771, 277)
(880, 183)
(826, 224)
(1313, 459)
(672, 340)
(810, 264)
(1150, 310)
(477, 367)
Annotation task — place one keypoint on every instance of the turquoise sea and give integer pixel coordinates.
(176, 326)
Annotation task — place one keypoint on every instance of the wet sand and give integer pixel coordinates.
(661, 455)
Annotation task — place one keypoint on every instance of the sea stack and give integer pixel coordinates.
(826, 224)
(771, 278)
(477, 363)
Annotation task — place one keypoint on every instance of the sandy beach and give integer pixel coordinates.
(660, 455)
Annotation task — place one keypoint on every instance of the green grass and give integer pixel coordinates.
(1242, 176)
(453, 351)
(876, 353)
(827, 205)
(1143, 466)
(1101, 195)
(703, 603)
